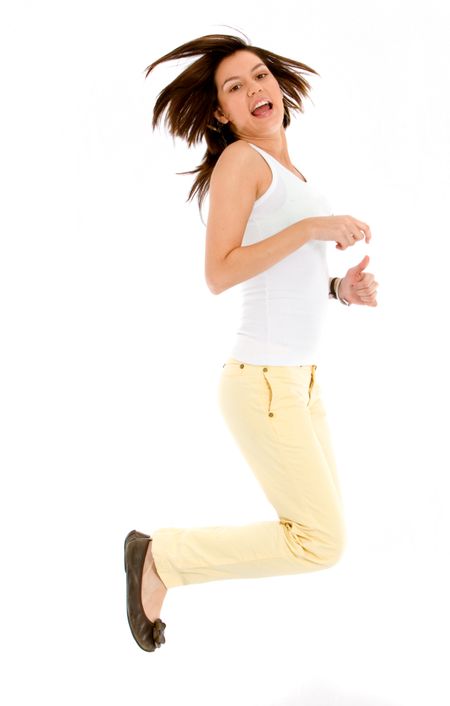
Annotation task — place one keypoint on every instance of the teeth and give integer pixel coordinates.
(258, 105)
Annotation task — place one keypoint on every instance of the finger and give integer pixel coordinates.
(367, 278)
(355, 275)
(366, 293)
(370, 301)
(364, 288)
(365, 228)
(357, 270)
(367, 289)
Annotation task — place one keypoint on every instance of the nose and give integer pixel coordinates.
(253, 89)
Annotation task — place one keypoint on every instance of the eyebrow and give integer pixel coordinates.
(233, 78)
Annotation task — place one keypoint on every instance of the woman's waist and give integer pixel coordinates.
(264, 350)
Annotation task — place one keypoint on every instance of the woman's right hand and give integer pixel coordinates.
(344, 230)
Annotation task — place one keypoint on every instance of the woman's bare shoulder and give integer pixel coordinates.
(237, 156)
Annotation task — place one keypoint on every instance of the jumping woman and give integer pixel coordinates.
(268, 228)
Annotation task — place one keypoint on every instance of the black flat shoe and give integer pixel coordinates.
(148, 635)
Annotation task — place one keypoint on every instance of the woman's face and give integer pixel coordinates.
(249, 96)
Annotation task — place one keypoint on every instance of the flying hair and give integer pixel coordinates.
(186, 105)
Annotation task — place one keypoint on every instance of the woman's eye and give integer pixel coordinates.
(261, 75)
(235, 87)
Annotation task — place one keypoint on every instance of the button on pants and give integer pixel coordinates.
(276, 417)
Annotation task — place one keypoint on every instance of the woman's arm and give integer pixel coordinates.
(237, 181)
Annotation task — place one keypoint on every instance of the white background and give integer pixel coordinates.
(112, 346)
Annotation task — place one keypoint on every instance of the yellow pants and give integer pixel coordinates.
(277, 418)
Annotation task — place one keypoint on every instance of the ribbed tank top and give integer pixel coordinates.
(284, 308)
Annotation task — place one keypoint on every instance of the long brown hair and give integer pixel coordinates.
(190, 100)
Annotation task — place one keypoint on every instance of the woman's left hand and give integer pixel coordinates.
(358, 287)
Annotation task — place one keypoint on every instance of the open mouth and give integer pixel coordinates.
(262, 108)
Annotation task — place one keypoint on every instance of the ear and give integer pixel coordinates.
(220, 117)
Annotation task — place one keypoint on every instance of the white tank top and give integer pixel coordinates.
(284, 308)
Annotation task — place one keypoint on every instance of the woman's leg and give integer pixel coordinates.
(321, 429)
(268, 410)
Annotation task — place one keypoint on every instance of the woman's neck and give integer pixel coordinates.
(276, 145)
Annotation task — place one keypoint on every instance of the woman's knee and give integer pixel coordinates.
(324, 548)
(331, 552)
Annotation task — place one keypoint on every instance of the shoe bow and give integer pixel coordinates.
(158, 632)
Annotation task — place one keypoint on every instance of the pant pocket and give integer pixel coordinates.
(270, 391)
